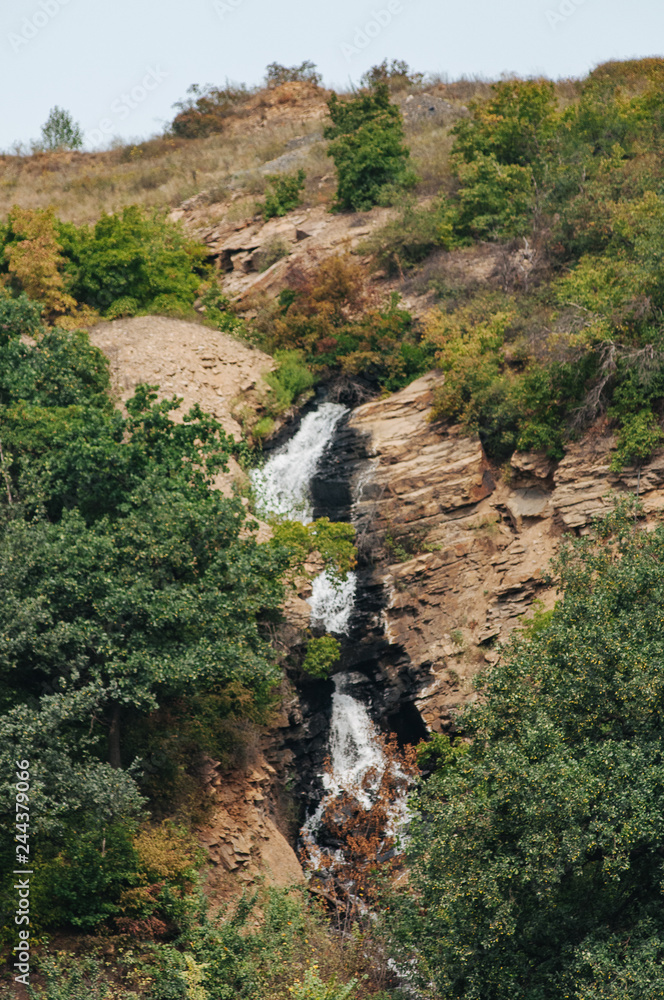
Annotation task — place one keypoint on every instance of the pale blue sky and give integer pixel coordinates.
(84, 55)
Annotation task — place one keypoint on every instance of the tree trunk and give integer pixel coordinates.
(114, 738)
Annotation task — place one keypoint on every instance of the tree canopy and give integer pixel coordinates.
(537, 854)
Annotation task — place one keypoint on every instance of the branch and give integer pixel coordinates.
(6, 476)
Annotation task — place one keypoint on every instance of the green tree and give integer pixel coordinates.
(133, 261)
(283, 194)
(537, 855)
(60, 131)
(366, 143)
(516, 125)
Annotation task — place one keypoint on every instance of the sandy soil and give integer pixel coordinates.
(185, 359)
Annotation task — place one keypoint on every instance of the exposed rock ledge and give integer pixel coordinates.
(242, 833)
(483, 546)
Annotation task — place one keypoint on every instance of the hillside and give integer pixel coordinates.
(331, 440)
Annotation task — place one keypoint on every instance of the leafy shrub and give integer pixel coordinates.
(366, 143)
(494, 201)
(407, 239)
(322, 654)
(133, 261)
(639, 435)
(328, 318)
(218, 311)
(332, 540)
(283, 194)
(63, 370)
(396, 74)
(291, 380)
(207, 110)
(517, 403)
(80, 977)
(19, 317)
(515, 126)
(86, 881)
(33, 259)
(312, 987)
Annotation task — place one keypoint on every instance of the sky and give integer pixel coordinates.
(119, 65)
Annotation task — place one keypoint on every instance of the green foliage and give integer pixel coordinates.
(366, 144)
(322, 654)
(19, 317)
(291, 381)
(62, 370)
(127, 581)
(274, 249)
(396, 74)
(553, 890)
(312, 987)
(639, 435)
(495, 200)
(406, 240)
(515, 126)
(60, 131)
(333, 540)
(511, 403)
(328, 319)
(439, 752)
(218, 311)
(83, 885)
(83, 979)
(133, 261)
(283, 194)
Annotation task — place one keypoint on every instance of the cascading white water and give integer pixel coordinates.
(354, 750)
(332, 602)
(283, 487)
(355, 754)
(357, 765)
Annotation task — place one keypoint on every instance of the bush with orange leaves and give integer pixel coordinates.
(34, 260)
(340, 327)
(366, 839)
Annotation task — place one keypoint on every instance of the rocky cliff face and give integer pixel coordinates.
(458, 554)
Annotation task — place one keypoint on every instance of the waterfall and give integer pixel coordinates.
(357, 765)
(283, 485)
(283, 488)
(357, 760)
(332, 602)
(354, 751)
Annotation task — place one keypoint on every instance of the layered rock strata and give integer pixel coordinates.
(466, 553)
